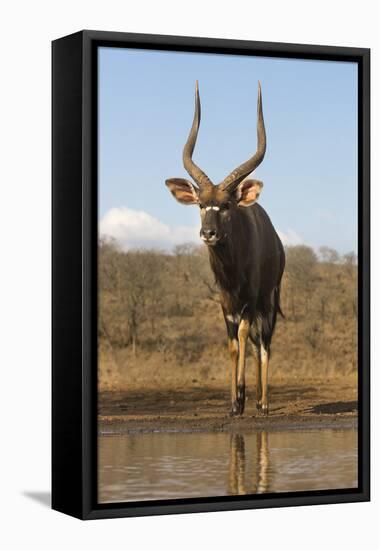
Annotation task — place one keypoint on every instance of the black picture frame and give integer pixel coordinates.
(74, 273)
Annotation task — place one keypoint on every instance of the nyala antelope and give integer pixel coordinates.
(246, 257)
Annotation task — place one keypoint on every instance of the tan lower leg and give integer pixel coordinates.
(243, 333)
(233, 350)
(264, 361)
(258, 373)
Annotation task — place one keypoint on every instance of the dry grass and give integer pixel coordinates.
(177, 338)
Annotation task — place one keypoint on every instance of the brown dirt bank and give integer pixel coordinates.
(300, 405)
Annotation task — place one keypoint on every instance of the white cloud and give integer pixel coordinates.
(138, 229)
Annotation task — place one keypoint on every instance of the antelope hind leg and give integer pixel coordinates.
(258, 375)
(264, 361)
(256, 349)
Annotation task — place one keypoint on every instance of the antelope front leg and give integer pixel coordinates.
(233, 350)
(232, 329)
(243, 333)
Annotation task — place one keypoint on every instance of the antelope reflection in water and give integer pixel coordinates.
(258, 483)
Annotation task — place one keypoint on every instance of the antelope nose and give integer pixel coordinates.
(209, 233)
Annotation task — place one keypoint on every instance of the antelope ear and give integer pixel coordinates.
(183, 190)
(248, 191)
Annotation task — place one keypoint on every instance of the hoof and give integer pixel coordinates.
(241, 398)
(241, 393)
(237, 409)
(262, 410)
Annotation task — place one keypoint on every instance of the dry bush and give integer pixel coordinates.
(160, 322)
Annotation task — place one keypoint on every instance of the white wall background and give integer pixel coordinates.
(26, 31)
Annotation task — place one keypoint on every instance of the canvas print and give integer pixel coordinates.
(227, 275)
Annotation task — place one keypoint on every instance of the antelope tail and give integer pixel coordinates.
(277, 301)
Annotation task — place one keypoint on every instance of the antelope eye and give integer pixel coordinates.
(201, 206)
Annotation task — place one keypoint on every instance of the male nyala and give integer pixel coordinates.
(245, 253)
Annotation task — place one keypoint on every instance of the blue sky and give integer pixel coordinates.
(146, 102)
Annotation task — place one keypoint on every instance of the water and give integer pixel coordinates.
(153, 466)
